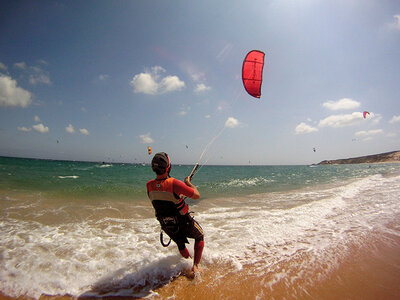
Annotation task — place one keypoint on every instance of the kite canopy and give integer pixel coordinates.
(149, 150)
(365, 113)
(252, 69)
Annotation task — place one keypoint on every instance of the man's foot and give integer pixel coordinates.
(195, 269)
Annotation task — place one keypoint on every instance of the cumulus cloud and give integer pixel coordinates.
(20, 65)
(395, 119)
(11, 94)
(182, 113)
(201, 87)
(3, 66)
(103, 77)
(232, 122)
(35, 74)
(151, 82)
(396, 23)
(70, 128)
(364, 133)
(207, 116)
(41, 128)
(337, 121)
(146, 139)
(170, 84)
(36, 119)
(303, 128)
(342, 104)
(84, 131)
(24, 129)
(368, 134)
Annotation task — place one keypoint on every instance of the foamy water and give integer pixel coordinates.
(113, 247)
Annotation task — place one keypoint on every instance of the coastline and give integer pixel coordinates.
(387, 157)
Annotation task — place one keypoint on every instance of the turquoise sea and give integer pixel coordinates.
(87, 228)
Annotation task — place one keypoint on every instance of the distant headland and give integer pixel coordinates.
(388, 157)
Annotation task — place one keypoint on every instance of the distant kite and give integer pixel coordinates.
(252, 70)
(149, 150)
(365, 114)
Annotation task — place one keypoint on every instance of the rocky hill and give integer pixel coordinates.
(388, 157)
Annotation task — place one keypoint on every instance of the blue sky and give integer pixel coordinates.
(103, 80)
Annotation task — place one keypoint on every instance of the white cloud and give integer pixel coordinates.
(375, 118)
(337, 121)
(151, 83)
(24, 129)
(84, 131)
(395, 119)
(20, 65)
(207, 116)
(201, 87)
(303, 128)
(146, 139)
(37, 75)
(232, 122)
(36, 119)
(41, 128)
(368, 133)
(144, 83)
(3, 66)
(11, 94)
(195, 74)
(170, 84)
(70, 128)
(182, 113)
(396, 23)
(103, 77)
(341, 104)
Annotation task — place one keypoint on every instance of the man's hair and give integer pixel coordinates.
(160, 163)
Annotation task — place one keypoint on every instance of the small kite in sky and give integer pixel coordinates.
(252, 70)
(149, 150)
(365, 114)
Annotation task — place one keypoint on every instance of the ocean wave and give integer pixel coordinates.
(104, 166)
(248, 182)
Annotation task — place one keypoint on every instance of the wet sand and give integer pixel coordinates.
(372, 272)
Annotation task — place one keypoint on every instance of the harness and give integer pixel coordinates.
(169, 207)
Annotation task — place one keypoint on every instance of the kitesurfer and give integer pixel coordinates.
(167, 196)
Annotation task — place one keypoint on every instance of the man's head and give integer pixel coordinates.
(161, 163)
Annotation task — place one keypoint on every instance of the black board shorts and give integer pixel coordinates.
(187, 227)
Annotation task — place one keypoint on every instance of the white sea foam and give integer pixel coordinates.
(248, 182)
(91, 255)
(69, 176)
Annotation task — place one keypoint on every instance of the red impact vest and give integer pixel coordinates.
(163, 190)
